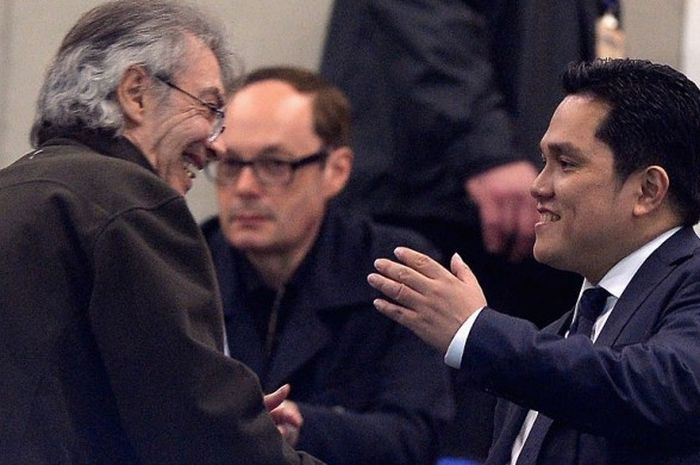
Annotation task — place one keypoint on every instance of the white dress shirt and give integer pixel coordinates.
(615, 282)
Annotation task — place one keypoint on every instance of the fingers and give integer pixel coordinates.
(525, 238)
(420, 263)
(398, 313)
(289, 420)
(275, 399)
(408, 281)
(460, 269)
(290, 433)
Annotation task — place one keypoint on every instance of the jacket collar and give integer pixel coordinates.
(103, 142)
(325, 285)
(675, 250)
(327, 277)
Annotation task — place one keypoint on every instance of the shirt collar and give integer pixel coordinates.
(619, 276)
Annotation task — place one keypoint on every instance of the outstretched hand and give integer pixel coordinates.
(430, 300)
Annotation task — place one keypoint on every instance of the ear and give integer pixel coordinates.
(131, 93)
(337, 171)
(653, 190)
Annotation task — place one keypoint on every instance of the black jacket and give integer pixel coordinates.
(369, 390)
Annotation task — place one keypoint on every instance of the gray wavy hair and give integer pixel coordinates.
(79, 90)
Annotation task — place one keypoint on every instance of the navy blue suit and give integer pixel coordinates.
(633, 397)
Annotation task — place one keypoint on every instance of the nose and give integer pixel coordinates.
(247, 183)
(541, 186)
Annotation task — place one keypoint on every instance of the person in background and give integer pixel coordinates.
(112, 334)
(292, 273)
(617, 379)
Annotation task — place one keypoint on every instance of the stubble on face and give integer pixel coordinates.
(584, 212)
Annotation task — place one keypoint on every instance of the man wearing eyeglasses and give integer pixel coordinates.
(112, 330)
(291, 271)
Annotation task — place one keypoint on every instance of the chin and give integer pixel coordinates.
(180, 185)
(248, 244)
(543, 254)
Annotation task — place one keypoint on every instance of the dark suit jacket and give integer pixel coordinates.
(528, 62)
(111, 342)
(426, 112)
(369, 390)
(633, 397)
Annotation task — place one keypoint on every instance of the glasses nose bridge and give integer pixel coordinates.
(248, 177)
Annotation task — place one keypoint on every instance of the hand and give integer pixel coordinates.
(429, 299)
(285, 414)
(507, 210)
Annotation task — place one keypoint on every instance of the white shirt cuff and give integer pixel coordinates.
(453, 356)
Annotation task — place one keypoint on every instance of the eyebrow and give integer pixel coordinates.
(213, 92)
(564, 148)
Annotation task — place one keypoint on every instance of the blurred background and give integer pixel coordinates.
(266, 32)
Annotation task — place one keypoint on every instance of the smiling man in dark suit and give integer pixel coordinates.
(616, 382)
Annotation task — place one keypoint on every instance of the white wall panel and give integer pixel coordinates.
(264, 32)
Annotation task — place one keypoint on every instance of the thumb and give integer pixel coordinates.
(475, 294)
(273, 400)
(461, 270)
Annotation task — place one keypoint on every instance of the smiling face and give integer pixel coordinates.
(172, 133)
(271, 120)
(586, 213)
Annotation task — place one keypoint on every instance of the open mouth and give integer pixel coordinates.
(189, 170)
(549, 217)
(191, 164)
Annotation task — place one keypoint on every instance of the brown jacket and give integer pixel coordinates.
(111, 336)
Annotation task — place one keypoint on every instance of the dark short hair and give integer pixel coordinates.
(331, 108)
(654, 119)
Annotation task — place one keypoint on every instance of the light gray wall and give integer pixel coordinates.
(654, 29)
(263, 31)
(691, 40)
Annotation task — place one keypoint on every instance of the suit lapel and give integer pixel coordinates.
(502, 447)
(304, 336)
(652, 272)
(500, 451)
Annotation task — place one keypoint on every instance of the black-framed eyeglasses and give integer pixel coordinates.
(218, 112)
(269, 171)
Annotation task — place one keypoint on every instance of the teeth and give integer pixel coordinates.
(188, 167)
(549, 217)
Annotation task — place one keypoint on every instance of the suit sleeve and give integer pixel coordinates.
(645, 387)
(439, 62)
(158, 326)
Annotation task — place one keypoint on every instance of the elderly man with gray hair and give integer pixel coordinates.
(112, 335)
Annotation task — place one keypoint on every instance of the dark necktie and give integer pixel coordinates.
(589, 309)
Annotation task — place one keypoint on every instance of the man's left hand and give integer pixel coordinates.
(427, 298)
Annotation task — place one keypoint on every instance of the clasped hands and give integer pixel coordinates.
(285, 414)
(424, 296)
